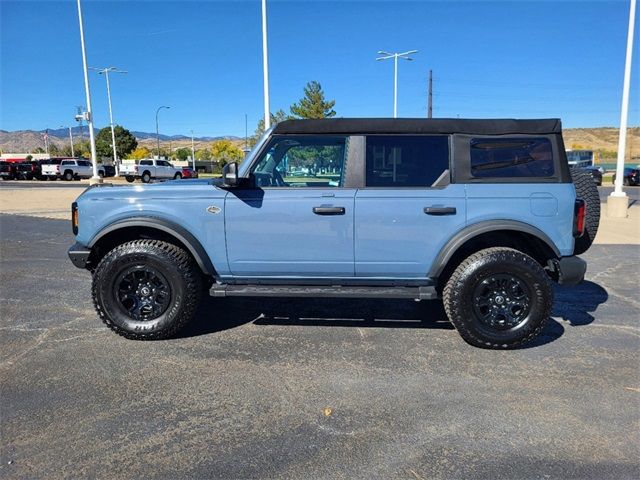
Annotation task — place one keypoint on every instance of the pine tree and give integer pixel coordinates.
(313, 104)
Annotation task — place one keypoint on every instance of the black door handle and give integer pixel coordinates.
(328, 210)
(440, 210)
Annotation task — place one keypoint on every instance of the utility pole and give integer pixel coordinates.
(88, 116)
(395, 56)
(246, 142)
(430, 106)
(193, 153)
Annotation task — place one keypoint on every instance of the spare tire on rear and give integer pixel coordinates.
(587, 190)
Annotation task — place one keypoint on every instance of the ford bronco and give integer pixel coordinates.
(482, 214)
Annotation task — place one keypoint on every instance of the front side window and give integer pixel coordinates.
(511, 157)
(406, 160)
(300, 161)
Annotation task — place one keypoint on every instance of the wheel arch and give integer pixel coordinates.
(504, 233)
(144, 227)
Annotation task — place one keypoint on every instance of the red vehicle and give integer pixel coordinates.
(189, 173)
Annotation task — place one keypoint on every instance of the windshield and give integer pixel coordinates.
(254, 151)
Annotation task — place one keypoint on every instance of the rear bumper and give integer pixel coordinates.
(79, 255)
(570, 270)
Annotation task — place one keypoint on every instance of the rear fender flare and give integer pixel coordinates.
(476, 229)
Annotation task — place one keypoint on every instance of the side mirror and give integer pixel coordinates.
(230, 174)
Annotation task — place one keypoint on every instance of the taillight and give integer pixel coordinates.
(74, 218)
(579, 213)
(57, 168)
(135, 169)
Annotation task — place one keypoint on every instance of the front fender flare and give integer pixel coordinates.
(183, 235)
(479, 228)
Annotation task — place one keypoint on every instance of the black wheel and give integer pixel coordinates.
(588, 191)
(177, 176)
(53, 178)
(68, 175)
(625, 182)
(146, 289)
(498, 298)
(101, 174)
(130, 178)
(146, 177)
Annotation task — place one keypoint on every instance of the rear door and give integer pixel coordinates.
(296, 218)
(408, 208)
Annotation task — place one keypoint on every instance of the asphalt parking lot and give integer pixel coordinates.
(327, 388)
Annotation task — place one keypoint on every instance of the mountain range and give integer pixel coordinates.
(24, 141)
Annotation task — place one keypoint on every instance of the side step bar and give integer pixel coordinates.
(336, 291)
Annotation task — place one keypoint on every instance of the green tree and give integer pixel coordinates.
(203, 154)
(224, 151)
(125, 142)
(277, 117)
(313, 104)
(182, 154)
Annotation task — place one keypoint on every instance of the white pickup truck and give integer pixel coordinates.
(148, 169)
(69, 169)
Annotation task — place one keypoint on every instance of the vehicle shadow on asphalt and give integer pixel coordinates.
(216, 315)
(572, 304)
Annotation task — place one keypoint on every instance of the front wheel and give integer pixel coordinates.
(177, 176)
(146, 177)
(68, 175)
(498, 298)
(146, 289)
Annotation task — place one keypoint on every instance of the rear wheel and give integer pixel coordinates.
(146, 289)
(53, 177)
(130, 178)
(498, 298)
(587, 191)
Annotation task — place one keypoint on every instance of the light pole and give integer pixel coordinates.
(265, 67)
(193, 153)
(106, 71)
(87, 115)
(618, 202)
(157, 129)
(70, 140)
(395, 56)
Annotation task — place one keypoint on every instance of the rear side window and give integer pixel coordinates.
(406, 160)
(146, 162)
(511, 157)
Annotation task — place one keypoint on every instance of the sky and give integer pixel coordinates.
(492, 59)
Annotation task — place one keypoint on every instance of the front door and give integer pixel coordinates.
(296, 218)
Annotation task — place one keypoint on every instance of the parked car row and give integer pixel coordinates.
(630, 177)
(150, 169)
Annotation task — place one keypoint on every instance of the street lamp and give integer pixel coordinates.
(105, 72)
(157, 130)
(265, 68)
(395, 56)
(87, 115)
(193, 153)
(70, 140)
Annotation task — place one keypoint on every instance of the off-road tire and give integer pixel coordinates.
(587, 190)
(130, 178)
(459, 291)
(175, 265)
(146, 177)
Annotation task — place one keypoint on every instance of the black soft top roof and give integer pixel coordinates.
(419, 125)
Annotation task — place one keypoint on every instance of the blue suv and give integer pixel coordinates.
(482, 214)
